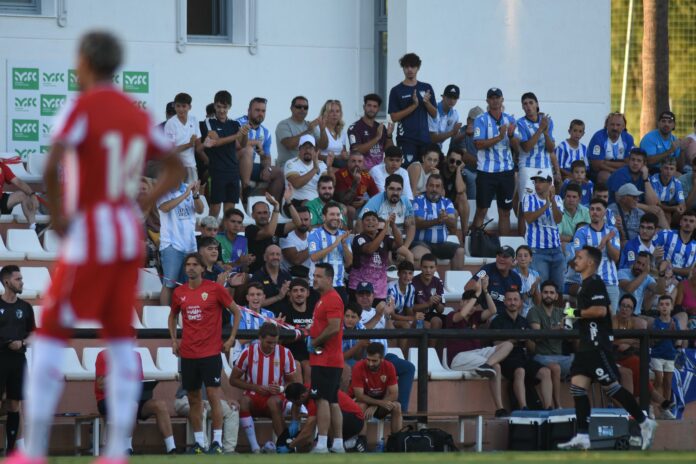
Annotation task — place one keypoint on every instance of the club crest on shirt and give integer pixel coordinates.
(19, 314)
(382, 378)
(204, 295)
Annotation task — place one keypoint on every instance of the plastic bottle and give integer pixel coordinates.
(568, 323)
(419, 324)
(380, 446)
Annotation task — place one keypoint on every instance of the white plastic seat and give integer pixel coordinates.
(18, 215)
(396, 351)
(89, 358)
(156, 317)
(26, 241)
(36, 281)
(51, 241)
(167, 362)
(512, 241)
(72, 367)
(435, 369)
(88, 324)
(36, 163)
(149, 283)
(150, 370)
(37, 313)
(248, 220)
(29, 355)
(137, 325)
(7, 255)
(206, 210)
(454, 284)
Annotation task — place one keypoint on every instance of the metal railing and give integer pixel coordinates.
(424, 336)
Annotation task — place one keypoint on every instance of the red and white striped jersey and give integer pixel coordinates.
(108, 138)
(265, 370)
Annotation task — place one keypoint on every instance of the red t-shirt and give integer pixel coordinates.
(345, 402)
(373, 383)
(344, 180)
(101, 371)
(201, 310)
(6, 176)
(329, 306)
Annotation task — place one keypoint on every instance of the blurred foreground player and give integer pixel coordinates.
(594, 359)
(100, 145)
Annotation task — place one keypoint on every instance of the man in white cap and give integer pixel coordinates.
(445, 124)
(304, 171)
(626, 207)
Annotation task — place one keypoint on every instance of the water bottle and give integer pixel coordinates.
(419, 324)
(567, 323)
(380, 446)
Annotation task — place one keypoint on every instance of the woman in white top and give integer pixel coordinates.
(418, 172)
(337, 140)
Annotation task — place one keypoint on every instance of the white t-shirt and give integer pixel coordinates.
(180, 133)
(379, 174)
(309, 190)
(293, 241)
(178, 226)
(366, 316)
(336, 145)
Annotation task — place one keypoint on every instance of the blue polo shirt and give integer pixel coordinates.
(654, 144)
(623, 176)
(414, 126)
(602, 148)
(499, 284)
(223, 158)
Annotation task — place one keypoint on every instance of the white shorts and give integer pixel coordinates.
(661, 365)
(470, 360)
(525, 184)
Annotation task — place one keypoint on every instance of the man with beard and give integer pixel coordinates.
(266, 230)
(661, 143)
(16, 324)
(371, 253)
(354, 185)
(608, 148)
(647, 231)
(635, 172)
(679, 245)
(393, 201)
(376, 390)
(298, 311)
(275, 281)
(325, 191)
(295, 247)
(391, 165)
(455, 185)
(435, 219)
(329, 245)
(636, 279)
(255, 159)
(303, 171)
(501, 278)
(369, 137)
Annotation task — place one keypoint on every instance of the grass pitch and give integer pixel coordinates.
(506, 457)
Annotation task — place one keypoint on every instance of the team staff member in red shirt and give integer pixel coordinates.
(24, 195)
(376, 390)
(325, 346)
(261, 371)
(201, 303)
(353, 417)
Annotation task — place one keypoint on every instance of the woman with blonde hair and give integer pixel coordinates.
(335, 141)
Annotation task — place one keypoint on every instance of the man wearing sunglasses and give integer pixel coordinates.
(288, 131)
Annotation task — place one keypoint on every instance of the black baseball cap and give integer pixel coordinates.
(494, 92)
(507, 251)
(364, 287)
(668, 115)
(451, 91)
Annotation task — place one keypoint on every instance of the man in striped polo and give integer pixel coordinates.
(543, 212)
(495, 138)
(679, 247)
(435, 218)
(603, 236)
(668, 188)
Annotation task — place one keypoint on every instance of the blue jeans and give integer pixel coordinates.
(614, 294)
(405, 371)
(562, 360)
(172, 265)
(550, 264)
(470, 179)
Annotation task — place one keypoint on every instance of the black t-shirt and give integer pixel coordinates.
(499, 284)
(224, 157)
(16, 323)
(301, 320)
(258, 247)
(594, 333)
(270, 288)
(503, 321)
(448, 181)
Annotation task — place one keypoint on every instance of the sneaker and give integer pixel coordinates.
(501, 413)
(317, 450)
(196, 449)
(666, 414)
(214, 448)
(339, 450)
(647, 432)
(485, 370)
(256, 451)
(578, 442)
(130, 452)
(17, 457)
(172, 451)
(360, 444)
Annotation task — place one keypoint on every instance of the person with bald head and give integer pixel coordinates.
(275, 280)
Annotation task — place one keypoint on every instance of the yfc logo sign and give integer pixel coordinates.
(50, 104)
(25, 104)
(24, 153)
(53, 79)
(25, 78)
(72, 81)
(46, 129)
(136, 81)
(25, 130)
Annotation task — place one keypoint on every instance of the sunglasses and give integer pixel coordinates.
(455, 161)
(301, 107)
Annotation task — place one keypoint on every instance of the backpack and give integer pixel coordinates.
(409, 440)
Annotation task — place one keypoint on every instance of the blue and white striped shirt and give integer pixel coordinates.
(542, 233)
(497, 158)
(401, 300)
(680, 254)
(262, 134)
(320, 238)
(586, 235)
(537, 158)
(671, 194)
(567, 154)
(425, 209)
(250, 322)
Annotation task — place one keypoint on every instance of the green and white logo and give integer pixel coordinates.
(25, 130)
(25, 104)
(136, 81)
(72, 81)
(46, 129)
(53, 79)
(44, 149)
(25, 152)
(50, 104)
(25, 78)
